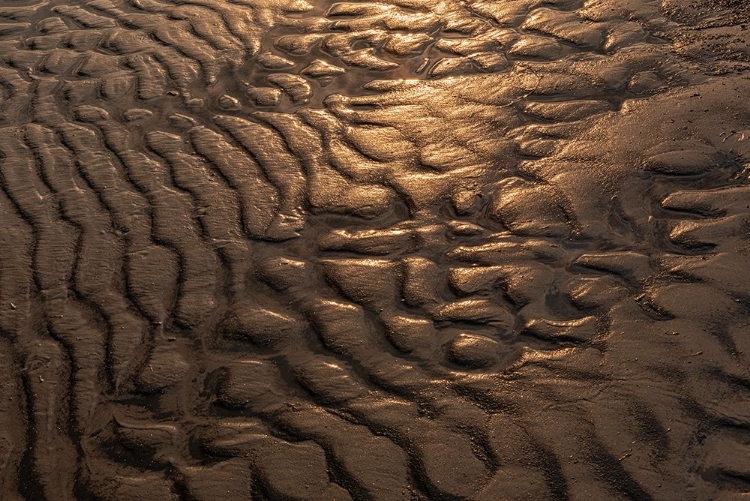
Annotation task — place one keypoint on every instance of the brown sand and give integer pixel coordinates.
(379, 250)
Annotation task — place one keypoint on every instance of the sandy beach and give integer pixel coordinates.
(379, 250)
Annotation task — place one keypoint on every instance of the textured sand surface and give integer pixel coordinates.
(374, 250)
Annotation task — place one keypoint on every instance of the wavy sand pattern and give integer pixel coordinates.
(374, 250)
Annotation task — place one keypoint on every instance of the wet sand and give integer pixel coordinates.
(395, 250)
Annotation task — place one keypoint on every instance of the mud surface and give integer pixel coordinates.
(393, 250)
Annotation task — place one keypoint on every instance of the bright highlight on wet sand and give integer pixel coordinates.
(374, 250)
